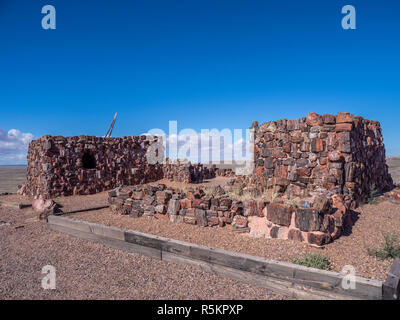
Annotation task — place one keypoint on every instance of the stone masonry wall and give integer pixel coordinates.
(318, 223)
(60, 166)
(339, 154)
(184, 171)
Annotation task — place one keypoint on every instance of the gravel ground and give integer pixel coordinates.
(351, 249)
(87, 270)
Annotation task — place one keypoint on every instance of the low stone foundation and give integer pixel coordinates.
(317, 221)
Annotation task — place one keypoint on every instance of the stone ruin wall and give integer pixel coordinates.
(319, 225)
(186, 172)
(56, 165)
(328, 154)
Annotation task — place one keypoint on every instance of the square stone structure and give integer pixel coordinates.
(340, 154)
(63, 166)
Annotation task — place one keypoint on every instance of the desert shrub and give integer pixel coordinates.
(373, 194)
(389, 249)
(314, 260)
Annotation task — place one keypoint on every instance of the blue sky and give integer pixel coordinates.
(207, 64)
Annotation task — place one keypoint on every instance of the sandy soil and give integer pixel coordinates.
(86, 270)
(394, 168)
(11, 177)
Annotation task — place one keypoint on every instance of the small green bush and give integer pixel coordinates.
(373, 194)
(314, 260)
(390, 248)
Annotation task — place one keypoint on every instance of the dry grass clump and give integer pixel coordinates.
(314, 260)
(390, 248)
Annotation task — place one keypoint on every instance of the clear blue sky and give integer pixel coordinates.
(207, 64)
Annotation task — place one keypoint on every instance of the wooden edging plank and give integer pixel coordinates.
(114, 243)
(391, 288)
(282, 277)
(14, 204)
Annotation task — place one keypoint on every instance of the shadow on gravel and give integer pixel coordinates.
(354, 216)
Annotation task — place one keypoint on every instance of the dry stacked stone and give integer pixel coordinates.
(186, 172)
(62, 166)
(224, 172)
(317, 223)
(340, 154)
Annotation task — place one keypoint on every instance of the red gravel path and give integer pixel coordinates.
(88, 270)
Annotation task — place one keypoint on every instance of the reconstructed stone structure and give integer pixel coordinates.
(59, 166)
(187, 172)
(340, 154)
(316, 168)
(317, 225)
(184, 171)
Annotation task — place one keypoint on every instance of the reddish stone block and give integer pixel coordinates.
(226, 202)
(201, 218)
(307, 219)
(318, 238)
(343, 127)
(186, 204)
(317, 145)
(329, 119)
(296, 137)
(260, 205)
(189, 219)
(295, 234)
(212, 221)
(344, 117)
(314, 119)
(321, 204)
(286, 148)
(293, 125)
(279, 214)
(260, 171)
(174, 206)
(335, 156)
(137, 195)
(237, 207)
(303, 172)
(278, 153)
(239, 221)
(274, 232)
(197, 203)
(163, 197)
(269, 163)
(249, 207)
(282, 171)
